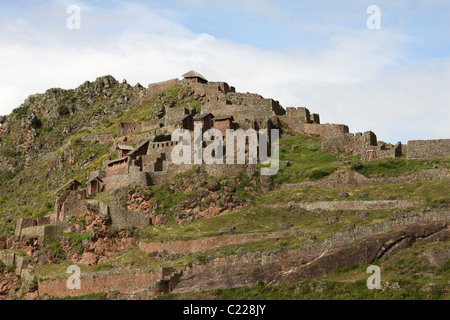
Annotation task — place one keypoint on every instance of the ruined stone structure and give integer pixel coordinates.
(244, 108)
(223, 123)
(428, 149)
(95, 185)
(361, 245)
(123, 150)
(144, 152)
(337, 138)
(145, 148)
(127, 282)
(359, 143)
(132, 127)
(173, 115)
(154, 88)
(34, 227)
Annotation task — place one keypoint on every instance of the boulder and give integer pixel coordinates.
(227, 230)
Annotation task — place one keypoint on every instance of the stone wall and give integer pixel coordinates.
(163, 147)
(349, 143)
(295, 121)
(122, 218)
(135, 139)
(222, 87)
(245, 108)
(8, 258)
(126, 282)
(154, 88)
(23, 223)
(428, 149)
(39, 231)
(152, 124)
(124, 180)
(302, 114)
(223, 125)
(337, 137)
(74, 205)
(117, 168)
(314, 118)
(129, 127)
(323, 130)
(347, 177)
(190, 246)
(98, 173)
(33, 227)
(173, 115)
(11, 258)
(359, 205)
(125, 128)
(360, 245)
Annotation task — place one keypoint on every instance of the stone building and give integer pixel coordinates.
(194, 77)
(428, 149)
(94, 185)
(123, 150)
(223, 123)
(72, 185)
(186, 122)
(206, 120)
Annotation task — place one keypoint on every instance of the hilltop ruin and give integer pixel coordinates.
(144, 148)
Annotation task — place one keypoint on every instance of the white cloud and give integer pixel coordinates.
(360, 78)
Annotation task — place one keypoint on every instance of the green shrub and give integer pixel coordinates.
(77, 241)
(63, 110)
(54, 247)
(356, 165)
(202, 259)
(21, 111)
(445, 269)
(320, 173)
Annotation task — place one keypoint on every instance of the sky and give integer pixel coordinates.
(386, 70)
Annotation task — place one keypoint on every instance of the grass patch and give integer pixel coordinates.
(348, 283)
(396, 166)
(306, 158)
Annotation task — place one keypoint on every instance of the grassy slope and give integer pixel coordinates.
(410, 269)
(259, 217)
(30, 191)
(30, 194)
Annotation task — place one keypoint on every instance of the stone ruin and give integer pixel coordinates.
(428, 149)
(337, 138)
(144, 148)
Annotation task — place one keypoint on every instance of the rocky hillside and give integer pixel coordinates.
(308, 232)
(43, 142)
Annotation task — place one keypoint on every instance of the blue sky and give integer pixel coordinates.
(318, 54)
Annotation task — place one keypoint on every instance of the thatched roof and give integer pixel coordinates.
(194, 74)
